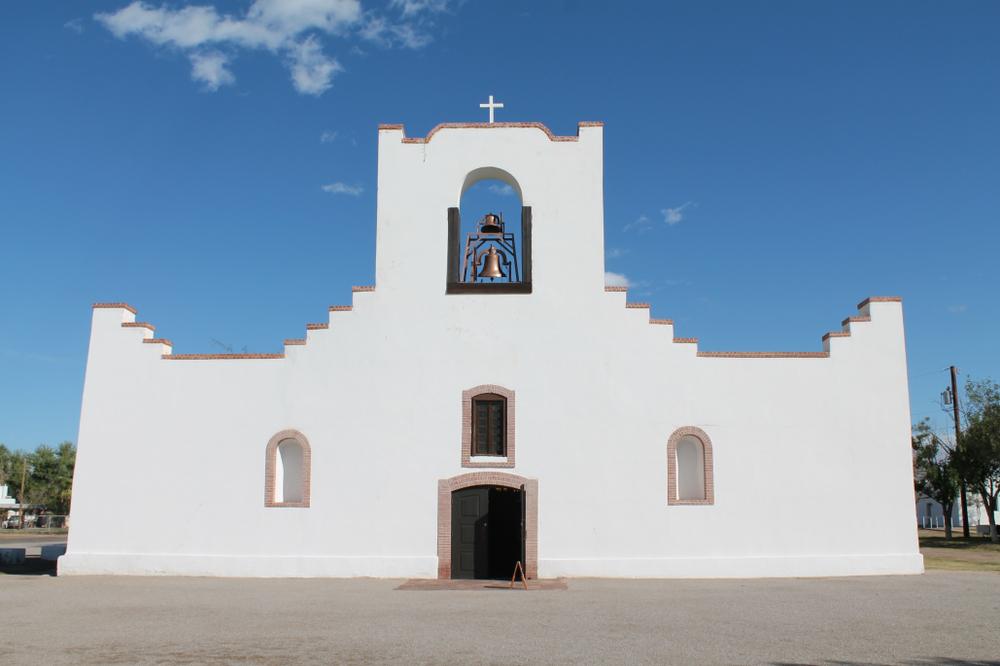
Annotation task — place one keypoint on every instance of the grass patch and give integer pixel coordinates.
(32, 531)
(977, 543)
(947, 564)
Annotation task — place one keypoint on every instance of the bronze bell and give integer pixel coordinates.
(490, 224)
(491, 265)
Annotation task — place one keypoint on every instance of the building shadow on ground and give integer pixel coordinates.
(33, 566)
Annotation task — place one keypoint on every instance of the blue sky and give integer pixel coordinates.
(768, 166)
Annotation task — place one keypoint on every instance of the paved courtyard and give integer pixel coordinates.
(938, 618)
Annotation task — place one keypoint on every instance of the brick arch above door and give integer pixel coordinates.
(447, 486)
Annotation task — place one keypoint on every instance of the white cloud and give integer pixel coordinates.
(642, 224)
(502, 189)
(413, 7)
(327, 137)
(957, 308)
(340, 188)
(74, 25)
(673, 215)
(311, 69)
(411, 30)
(616, 253)
(291, 29)
(210, 69)
(616, 280)
(387, 34)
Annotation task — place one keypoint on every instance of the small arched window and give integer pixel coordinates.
(288, 477)
(488, 426)
(288, 470)
(690, 468)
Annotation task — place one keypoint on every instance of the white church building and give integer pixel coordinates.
(490, 401)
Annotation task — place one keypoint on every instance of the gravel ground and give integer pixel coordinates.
(938, 618)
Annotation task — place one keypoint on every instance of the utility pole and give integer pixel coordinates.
(20, 500)
(958, 434)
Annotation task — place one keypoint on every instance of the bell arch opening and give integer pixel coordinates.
(489, 236)
(490, 173)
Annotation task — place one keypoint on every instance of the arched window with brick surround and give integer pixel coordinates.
(690, 468)
(488, 427)
(288, 470)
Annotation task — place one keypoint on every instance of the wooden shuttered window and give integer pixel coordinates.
(489, 425)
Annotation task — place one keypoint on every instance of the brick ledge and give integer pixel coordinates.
(219, 357)
(880, 299)
(125, 306)
(763, 354)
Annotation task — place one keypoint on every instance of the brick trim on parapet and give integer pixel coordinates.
(615, 289)
(341, 308)
(539, 126)
(762, 354)
(447, 486)
(158, 341)
(706, 444)
(296, 341)
(271, 467)
(467, 396)
(846, 333)
(219, 357)
(317, 327)
(124, 306)
(880, 299)
(354, 290)
(138, 324)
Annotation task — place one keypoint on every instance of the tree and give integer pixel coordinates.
(6, 465)
(935, 473)
(48, 480)
(52, 479)
(978, 455)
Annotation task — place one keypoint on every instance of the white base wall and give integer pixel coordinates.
(106, 564)
(735, 567)
(426, 567)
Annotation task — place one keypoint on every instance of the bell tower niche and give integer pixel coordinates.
(490, 253)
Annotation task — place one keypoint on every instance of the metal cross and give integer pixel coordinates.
(491, 106)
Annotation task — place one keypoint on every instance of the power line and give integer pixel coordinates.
(930, 373)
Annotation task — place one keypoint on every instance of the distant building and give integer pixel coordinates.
(930, 513)
(6, 501)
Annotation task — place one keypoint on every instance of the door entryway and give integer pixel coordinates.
(487, 533)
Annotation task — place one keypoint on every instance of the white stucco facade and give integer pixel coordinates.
(178, 445)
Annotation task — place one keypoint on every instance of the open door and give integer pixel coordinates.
(524, 530)
(487, 531)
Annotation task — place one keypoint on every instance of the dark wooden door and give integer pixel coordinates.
(469, 513)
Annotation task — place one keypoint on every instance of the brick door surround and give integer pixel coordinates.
(487, 478)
